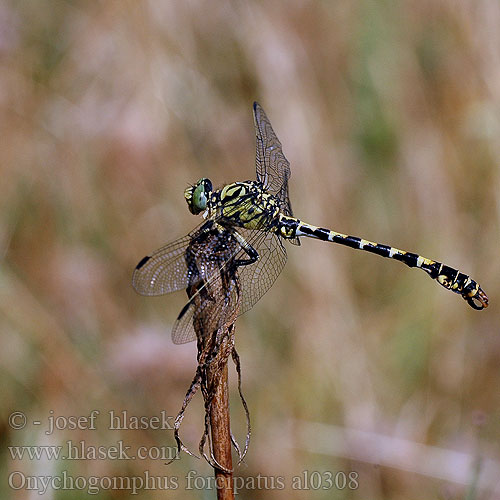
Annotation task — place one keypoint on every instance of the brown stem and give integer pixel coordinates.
(221, 438)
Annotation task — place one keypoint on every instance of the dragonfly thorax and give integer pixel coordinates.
(246, 204)
(197, 195)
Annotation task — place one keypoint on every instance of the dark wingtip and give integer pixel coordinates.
(142, 262)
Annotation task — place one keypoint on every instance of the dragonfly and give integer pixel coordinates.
(244, 229)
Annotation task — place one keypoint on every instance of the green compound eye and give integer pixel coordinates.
(199, 198)
(197, 195)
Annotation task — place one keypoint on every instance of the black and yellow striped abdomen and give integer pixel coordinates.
(446, 276)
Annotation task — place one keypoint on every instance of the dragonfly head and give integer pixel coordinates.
(197, 195)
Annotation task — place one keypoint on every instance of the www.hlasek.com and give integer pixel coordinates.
(80, 450)
(92, 485)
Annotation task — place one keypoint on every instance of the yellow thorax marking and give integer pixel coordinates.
(252, 211)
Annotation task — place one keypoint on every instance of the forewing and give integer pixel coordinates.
(273, 169)
(165, 270)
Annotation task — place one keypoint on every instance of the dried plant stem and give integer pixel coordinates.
(214, 305)
(221, 438)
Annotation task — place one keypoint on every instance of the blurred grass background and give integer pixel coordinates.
(389, 114)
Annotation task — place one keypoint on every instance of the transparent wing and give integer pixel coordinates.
(273, 169)
(216, 303)
(249, 284)
(213, 288)
(256, 279)
(165, 270)
(183, 329)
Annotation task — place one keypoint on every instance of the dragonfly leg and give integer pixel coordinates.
(253, 255)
